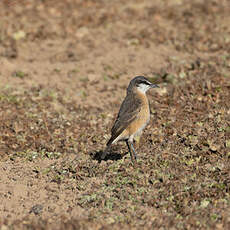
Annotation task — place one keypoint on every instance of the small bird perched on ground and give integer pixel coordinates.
(133, 116)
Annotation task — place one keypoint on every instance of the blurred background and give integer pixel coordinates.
(76, 44)
(64, 69)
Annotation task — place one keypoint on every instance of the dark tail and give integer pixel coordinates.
(106, 151)
(109, 142)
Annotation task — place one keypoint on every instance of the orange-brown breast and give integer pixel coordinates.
(142, 118)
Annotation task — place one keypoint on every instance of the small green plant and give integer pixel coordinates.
(19, 74)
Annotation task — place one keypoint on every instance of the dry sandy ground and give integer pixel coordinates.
(65, 66)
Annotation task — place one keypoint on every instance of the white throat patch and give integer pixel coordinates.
(143, 88)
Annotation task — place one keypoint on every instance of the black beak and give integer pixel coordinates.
(154, 86)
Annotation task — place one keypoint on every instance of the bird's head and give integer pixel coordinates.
(141, 83)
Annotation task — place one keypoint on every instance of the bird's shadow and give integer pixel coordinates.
(114, 156)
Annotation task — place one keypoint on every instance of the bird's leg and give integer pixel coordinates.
(130, 151)
(132, 147)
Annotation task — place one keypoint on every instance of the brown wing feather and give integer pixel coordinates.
(127, 114)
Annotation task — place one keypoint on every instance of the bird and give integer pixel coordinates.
(133, 116)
